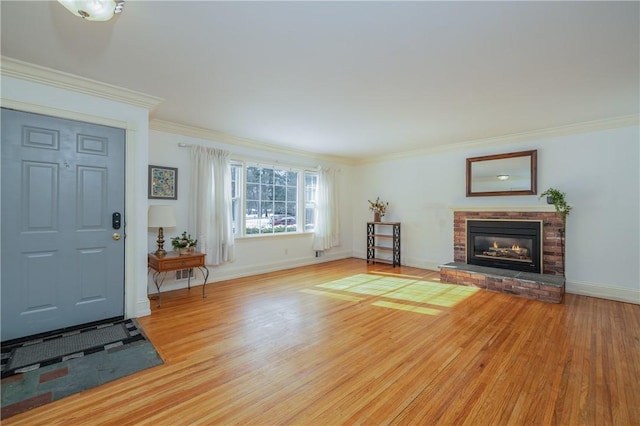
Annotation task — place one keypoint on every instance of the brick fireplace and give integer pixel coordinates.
(551, 248)
(548, 286)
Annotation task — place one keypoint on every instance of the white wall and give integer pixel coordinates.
(599, 171)
(254, 254)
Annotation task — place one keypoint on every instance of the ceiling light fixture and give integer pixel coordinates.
(93, 10)
(503, 177)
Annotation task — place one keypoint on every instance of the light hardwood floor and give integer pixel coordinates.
(279, 349)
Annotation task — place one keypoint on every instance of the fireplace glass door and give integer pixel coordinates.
(505, 244)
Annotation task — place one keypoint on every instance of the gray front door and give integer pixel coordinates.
(62, 181)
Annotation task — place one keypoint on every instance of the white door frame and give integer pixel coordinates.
(136, 303)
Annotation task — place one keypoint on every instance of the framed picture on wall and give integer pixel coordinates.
(163, 183)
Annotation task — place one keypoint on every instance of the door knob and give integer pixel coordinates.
(116, 236)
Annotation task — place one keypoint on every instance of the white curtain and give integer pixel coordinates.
(210, 209)
(327, 222)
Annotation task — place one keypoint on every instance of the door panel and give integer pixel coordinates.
(40, 207)
(92, 198)
(61, 182)
(92, 271)
(35, 267)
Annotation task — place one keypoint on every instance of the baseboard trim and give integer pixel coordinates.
(619, 294)
(230, 271)
(404, 261)
(423, 264)
(143, 308)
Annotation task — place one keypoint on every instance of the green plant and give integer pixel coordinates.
(183, 241)
(557, 198)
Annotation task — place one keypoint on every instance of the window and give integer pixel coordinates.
(310, 186)
(275, 200)
(236, 198)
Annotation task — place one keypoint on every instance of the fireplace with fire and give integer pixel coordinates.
(506, 244)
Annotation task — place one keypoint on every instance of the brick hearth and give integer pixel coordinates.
(542, 287)
(548, 287)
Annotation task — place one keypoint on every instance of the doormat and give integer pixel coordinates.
(33, 354)
(94, 359)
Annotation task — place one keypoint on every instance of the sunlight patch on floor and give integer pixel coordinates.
(432, 293)
(346, 283)
(373, 285)
(403, 307)
(393, 274)
(334, 295)
(446, 295)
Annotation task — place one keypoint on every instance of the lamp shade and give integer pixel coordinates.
(93, 10)
(161, 217)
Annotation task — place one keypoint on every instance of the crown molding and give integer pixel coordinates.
(216, 136)
(64, 113)
(10, 67)
(585, 127)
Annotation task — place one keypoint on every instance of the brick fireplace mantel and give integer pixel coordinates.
(537, 208)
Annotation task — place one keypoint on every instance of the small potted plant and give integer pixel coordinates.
(184, 244)
(379, 208)
(557, 198)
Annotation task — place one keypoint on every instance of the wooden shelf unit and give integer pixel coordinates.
(383, 242)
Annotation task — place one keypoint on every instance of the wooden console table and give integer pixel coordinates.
(174, 262)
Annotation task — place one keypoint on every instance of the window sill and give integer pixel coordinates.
(275, 235)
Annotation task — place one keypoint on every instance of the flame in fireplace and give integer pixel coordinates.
(513, 247)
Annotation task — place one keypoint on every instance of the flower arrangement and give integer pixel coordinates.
(183, 241)
(378, 206)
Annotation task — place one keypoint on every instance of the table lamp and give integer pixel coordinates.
(161, 217)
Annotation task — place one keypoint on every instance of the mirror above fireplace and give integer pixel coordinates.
(513, 173)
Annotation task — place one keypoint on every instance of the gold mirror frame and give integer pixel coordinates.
(514, 173)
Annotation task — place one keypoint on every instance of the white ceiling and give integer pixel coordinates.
(351, 79)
